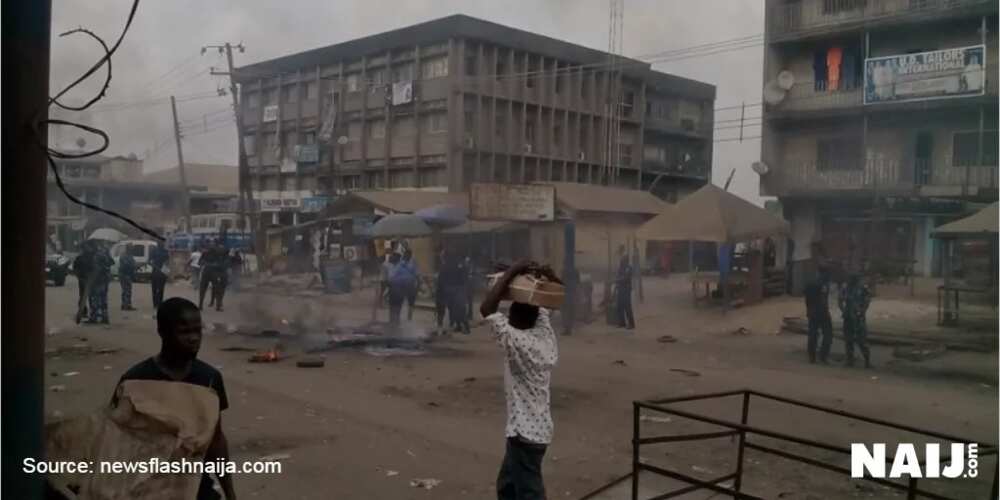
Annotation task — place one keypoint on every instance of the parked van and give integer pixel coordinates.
(140, 250)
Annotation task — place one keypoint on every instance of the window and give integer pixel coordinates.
(376, 129)
(435, 123)
(289, 142)
(270, 142)
(625, 152)
(403, 73)
(501, 127)
(470, 121)
(434, 68)
(91, 171)
(270, 97)
(559, 81)
(556, 136)
(376, 180)
(501, 65)
(470, 63)
(288, 183)
(351, 182)
(290, 95)
(71, 171)
(250, 144)
(377, 76)
(838, 6)
(272, 183)
(311, 90)
(352, 83)
(838, 153)
(965, 149)
(253, 100)
(431, 177)
(310, 138)
(529, 131)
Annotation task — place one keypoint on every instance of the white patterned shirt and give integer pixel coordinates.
(530, 356)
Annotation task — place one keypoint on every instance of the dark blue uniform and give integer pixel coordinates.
(100, 277)
(853, 301)
(817, 296)
(126, 275)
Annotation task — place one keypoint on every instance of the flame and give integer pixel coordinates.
(268, 356)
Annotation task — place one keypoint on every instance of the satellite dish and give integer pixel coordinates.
(760, 167)
(786, 79)
(773, 94)
(343, 140)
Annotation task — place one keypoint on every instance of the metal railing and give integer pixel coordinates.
(808, 15)
(841, 174)
(742, 431)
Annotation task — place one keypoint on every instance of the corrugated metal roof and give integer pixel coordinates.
(981, 223)
(411, 201)
(594, 198)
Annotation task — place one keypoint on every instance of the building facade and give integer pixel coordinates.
(439, 105)
(879, 123)
(113, 183)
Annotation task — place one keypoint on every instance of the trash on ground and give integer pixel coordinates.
(277, 457)
(702, 470)
(57, 388)
(108, 350)
(106, 367)
(391, 473)
(426, 484)
(689, 373)
(236, 348)
(667, 339)
(70, 374)
(919, 353)
(311, 363)
(619, 362)
(741, 331)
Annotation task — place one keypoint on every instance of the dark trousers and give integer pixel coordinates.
(99, 302)
(396, 299)
(520, 475)
(458, 311)
(820, 326)
(158, 282)
(218, 281)
(411, 300)
(856, 332)
(624, 305)
(84, 298)
(441, 301)
(126, 284)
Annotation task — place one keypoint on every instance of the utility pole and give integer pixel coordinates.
(245, 203)
(185, 195)
(27, 37)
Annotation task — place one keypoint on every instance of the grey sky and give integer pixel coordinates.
(167, 33)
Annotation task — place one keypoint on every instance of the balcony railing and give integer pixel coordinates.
(699, 170)
(806, 96)
(815, 15)
(888, 176)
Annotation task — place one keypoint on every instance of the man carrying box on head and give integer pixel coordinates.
(531, 353)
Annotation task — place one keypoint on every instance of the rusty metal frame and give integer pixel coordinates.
(743, 430)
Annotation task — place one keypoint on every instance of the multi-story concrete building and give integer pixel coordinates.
(879, 123)
(458, 100)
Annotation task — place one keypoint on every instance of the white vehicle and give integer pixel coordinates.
(140, 250)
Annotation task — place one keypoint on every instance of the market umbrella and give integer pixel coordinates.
(713, 215)
(107, 234)
(400, 226)
(443, 215)
(981, 223)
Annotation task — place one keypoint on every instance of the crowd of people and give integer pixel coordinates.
(401, 283)
(93, 270)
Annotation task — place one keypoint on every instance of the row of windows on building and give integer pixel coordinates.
(353, 82)
(429, 177)
(844, 152)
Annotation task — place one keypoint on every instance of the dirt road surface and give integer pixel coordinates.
(364, 426)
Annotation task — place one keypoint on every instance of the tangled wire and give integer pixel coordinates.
(41, 124)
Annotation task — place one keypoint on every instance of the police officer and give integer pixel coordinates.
(126, 275)
(214, 263)
(100, 277)
(853, 300)
(817, 295)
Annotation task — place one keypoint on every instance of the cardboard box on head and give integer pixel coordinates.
(533, 290)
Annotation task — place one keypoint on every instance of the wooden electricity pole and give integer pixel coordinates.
(185, 195)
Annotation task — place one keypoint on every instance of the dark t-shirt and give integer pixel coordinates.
(201, 374)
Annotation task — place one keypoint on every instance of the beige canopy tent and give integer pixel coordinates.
(981, 223)
(713, 215)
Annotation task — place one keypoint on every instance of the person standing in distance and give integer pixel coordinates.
(530, 354)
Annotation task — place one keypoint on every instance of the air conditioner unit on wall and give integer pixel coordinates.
(582, 156)
(470, 142)
(527, 147)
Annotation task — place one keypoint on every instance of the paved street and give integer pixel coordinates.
(441, 415)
